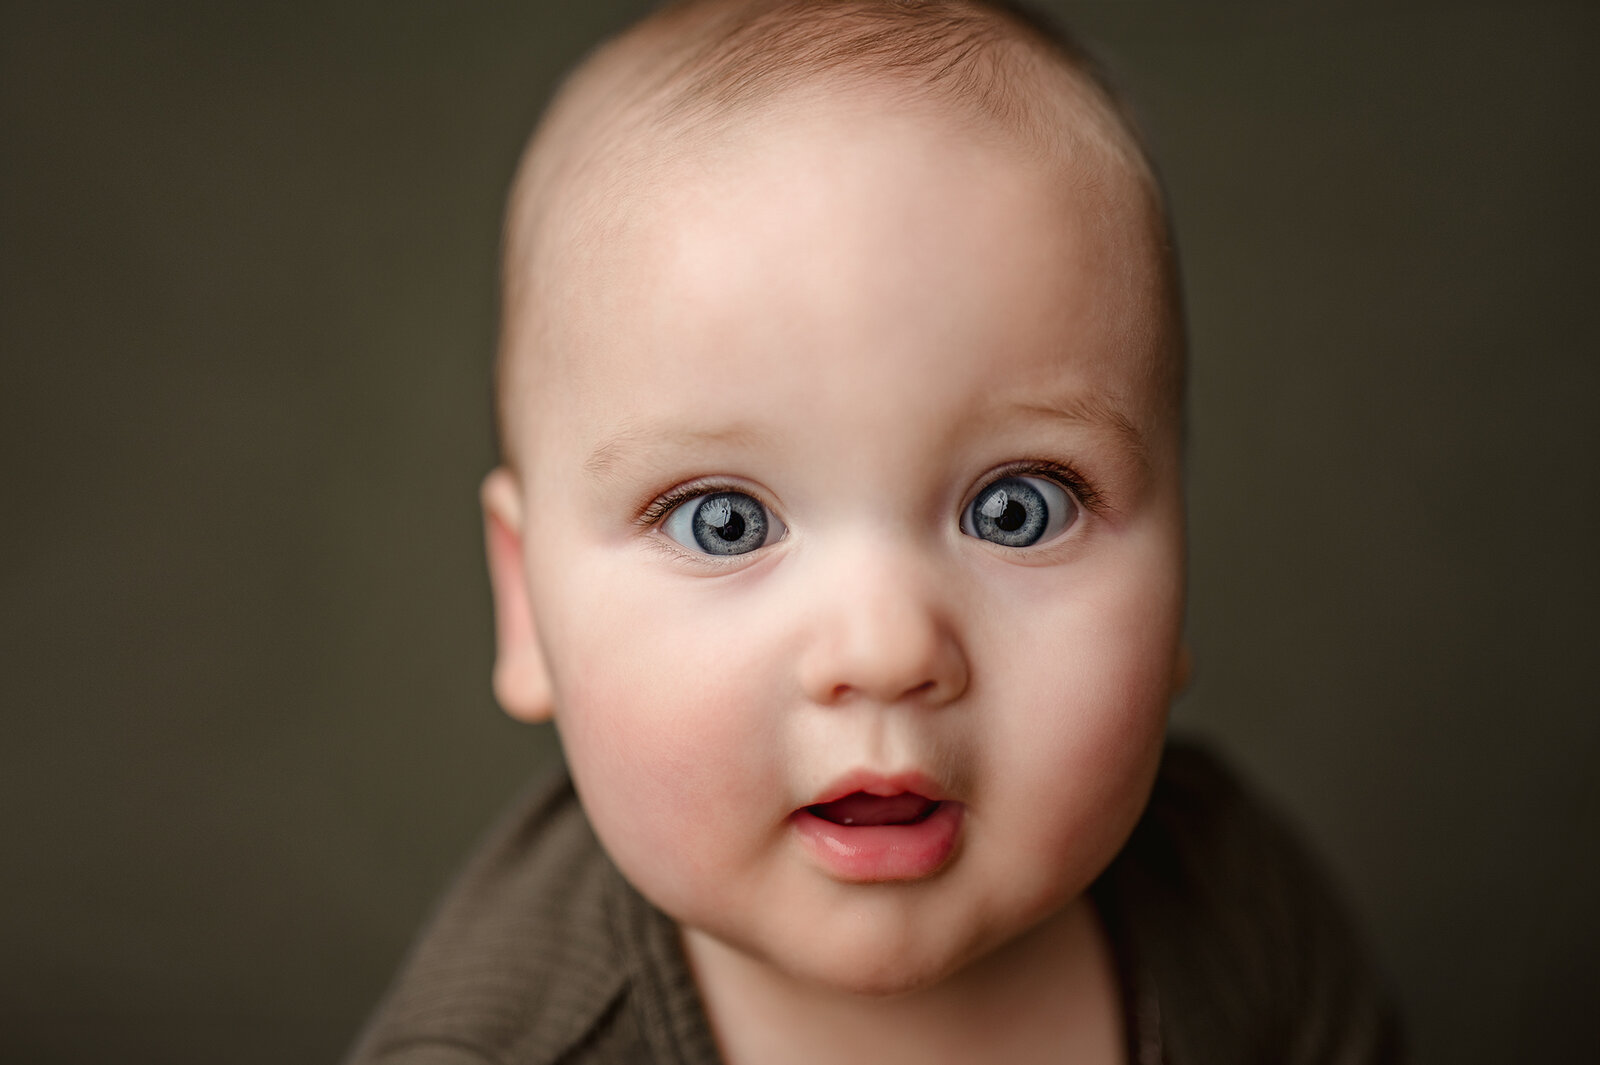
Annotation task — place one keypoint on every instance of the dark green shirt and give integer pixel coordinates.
(1230, 947)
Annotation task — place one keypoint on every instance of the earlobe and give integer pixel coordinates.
(521, 678)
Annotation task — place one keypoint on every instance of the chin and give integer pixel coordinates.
(874, 970)
(888, 984)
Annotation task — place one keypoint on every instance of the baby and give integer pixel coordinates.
(840, 532)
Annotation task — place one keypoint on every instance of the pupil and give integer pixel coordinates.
(1011, 519)
(733, 528)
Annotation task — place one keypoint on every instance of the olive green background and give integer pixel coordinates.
(246, 313)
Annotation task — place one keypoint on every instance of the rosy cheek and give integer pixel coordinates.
(654, 753)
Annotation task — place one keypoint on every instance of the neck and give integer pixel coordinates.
(1048, 996)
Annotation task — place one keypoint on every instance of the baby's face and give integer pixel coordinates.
(853, 540)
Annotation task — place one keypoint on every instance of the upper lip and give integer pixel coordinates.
(913, 782)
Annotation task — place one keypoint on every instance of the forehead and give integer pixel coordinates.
(846, 254)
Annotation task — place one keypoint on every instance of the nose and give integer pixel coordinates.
(882, 633)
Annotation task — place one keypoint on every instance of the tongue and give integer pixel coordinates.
(861, 809)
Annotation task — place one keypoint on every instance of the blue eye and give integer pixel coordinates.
(1019, 512)
(722, 523)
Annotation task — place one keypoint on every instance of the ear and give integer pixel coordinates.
(1182, 669)
(521, 678)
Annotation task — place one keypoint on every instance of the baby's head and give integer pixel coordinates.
(840, 526)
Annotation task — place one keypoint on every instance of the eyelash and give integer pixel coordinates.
(662, 505)
(1068, 477)
(1063, 474)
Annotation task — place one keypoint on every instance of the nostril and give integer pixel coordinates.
(841, 692)
(882, 656)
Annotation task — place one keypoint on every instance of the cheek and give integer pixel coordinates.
(1085, 707)
(662, 723)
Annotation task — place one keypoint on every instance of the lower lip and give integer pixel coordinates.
(870, 854)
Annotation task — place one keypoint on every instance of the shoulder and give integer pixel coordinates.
(518, 963)
(1240, 945)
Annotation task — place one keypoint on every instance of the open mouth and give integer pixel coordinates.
(862, 838)
(861, 810)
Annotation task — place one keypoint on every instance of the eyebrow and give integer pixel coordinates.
(619, 448)
(1097, 414)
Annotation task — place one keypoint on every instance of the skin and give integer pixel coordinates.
(857, 315)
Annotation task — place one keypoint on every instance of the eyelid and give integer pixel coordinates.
(1067, 477)
(656, 510)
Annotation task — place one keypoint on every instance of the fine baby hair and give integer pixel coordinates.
(694, 69)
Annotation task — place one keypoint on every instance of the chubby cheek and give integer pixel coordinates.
(1072, 758)
(664, 732)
